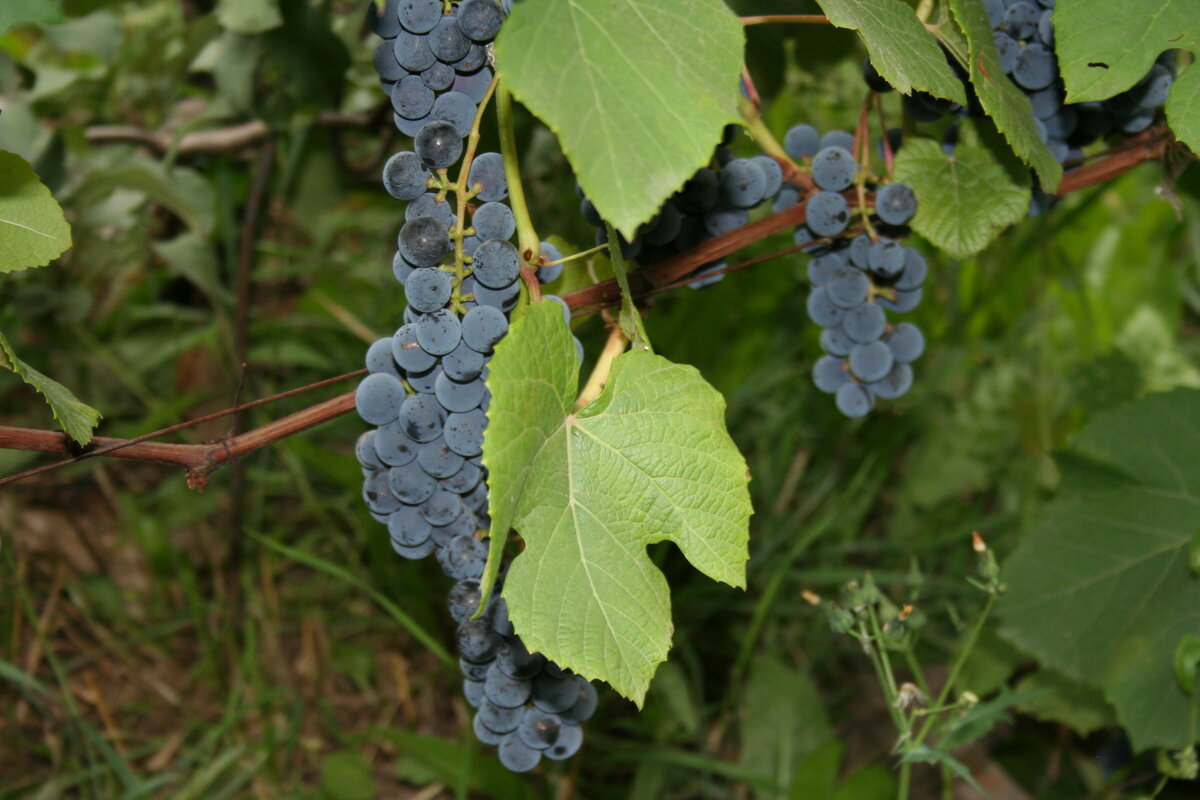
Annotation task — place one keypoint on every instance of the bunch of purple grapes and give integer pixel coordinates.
(426, 395)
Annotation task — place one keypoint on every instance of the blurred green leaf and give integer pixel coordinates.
(27, 12)
(76, 418)
(1080, 707)
(185, 192)
(33, 229)
(249, 16)
(783, 724)
(428, 759)
(1107, 562)
(347, 775)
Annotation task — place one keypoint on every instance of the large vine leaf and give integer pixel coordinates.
(1100, 587)
(33, 230)
(646, 461)
(76, 417)
(901, 50)
(965, 198)
(1008, 107)
(637, 94)
(1106, 46)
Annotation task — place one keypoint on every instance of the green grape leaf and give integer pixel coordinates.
(1080, 707)
(26, 12)
(638, 93)
(33, 230)
(1007, 105)
(964, 199)
(1107, 46)
(901, 50)
(76, 418)
(648, 460)
(1099, 588)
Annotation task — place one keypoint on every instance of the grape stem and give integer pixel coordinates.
(463, 193)
(766, 140)
(529, 243)
(615, 346)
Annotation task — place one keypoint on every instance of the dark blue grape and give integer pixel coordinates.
(835, 341)
(473, 61)
(428, 205)
(474, 86)
(870, 362)
(404, 177)
(906, 343)
(412, 52)
(421, 417)
(438, 76)
(482, 732)
(496, 264)
(773, 173)
(378, 398)
(854, 400)
(407, 527)
(419, 16)
(408, 353)
(829, 374)
(459, 396)
(479, 20)
(427, 290)
(386, 65)
(886, 258)
(864, 324)
(465, 479)
(464, 557)
(438, 144)
(409, 484)
(833, 169)
(1021, 20)
(503, 299)
(895, 203)
(393, 445)
(483, 327)
(487, 172)
(895, 383)
(439, 461)
(836, 138)
(875, 82)
(1036, 67)
(915, 268)
(423, 241)
(743, 183)
(539, 729)
(554, 693)
(515, 660)
(570, 737)
(463, 362)
(409, 127)
(494, 221)
(802, 141)
(456, 109)
(900, 301)
(439, 333)
(584, 707)
(477, 642)
(822, 310)
(516, 756)
(383, 24)
(464, 432)
(848, 287)
(441, 508)
(473, 692)
(827, 213)
(699, 193)
(365, 452)
(504, 690)
(822, 266)
(723, 219)
(379, 357)
(447, 41)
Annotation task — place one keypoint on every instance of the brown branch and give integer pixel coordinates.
(201, 460)
(55, 442)
(1150, 145)
(218, 140)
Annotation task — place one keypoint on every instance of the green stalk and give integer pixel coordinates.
(529, 243)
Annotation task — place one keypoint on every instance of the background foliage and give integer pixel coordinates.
(260, 639)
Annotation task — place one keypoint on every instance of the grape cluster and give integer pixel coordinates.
(855, 282)
(1024, 37)
(715, 200)
(425, 391)
(434, 66)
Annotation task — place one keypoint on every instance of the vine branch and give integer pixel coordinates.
(203, 459)
(192, 456)
(217, 140)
